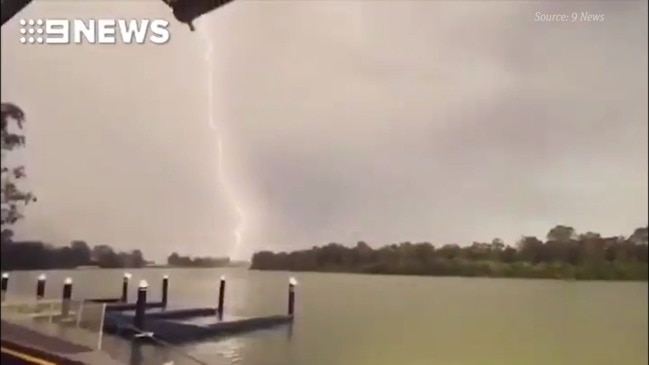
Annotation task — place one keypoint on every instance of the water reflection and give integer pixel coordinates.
(230, 349)
(289, 332)
(136, 354)
(237, 298)
(147, 354)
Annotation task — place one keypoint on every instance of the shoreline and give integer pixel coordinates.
(631, 280)
(125, 268)
(565, 279)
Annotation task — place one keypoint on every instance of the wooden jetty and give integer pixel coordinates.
(134, 321)
(187, 329)
(152, 320)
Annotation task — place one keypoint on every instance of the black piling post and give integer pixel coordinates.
(221, 308)
(291, 296)
(67, 297)
(165, 290)
(5, 284)
(125, 280)
(40, 286)
(140, 305)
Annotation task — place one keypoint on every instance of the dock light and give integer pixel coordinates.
(4, 284)
(125, 280)
(292, 283)
(165, 290)
(66, 297)
(40, 286)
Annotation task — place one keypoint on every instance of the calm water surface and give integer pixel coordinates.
(393, 320)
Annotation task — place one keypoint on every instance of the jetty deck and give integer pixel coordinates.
(37, 341)
(187, 325)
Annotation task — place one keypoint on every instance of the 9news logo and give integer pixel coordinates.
(94, 31)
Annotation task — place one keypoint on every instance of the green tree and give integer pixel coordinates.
(13, 198)
(81, 252)
(640, 236)
(561, 233)
(106, 257)
(530, 248)
(565, 255)
(137, 259)
(497, 244)
(173, 259)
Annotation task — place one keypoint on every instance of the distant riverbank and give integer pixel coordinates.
(230, 265)
(564, 255)
(37, 255)
(235, 265)
(459, 268)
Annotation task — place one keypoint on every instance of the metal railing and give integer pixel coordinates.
(78, 322)
(82, 322)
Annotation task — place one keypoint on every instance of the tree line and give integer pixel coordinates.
(185, 261)
(36, 255)
(563, 255)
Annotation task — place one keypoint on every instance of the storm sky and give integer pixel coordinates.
(387, 121)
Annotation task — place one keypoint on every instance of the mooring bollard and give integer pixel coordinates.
(165, 290)
(221, 308)
(67, 297)
(292, 283)
(40, 286)
(127, 277)
(140, 305)
(5, 284)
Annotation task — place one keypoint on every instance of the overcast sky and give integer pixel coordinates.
(386, 121)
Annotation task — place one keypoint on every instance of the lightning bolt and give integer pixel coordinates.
(212, 124)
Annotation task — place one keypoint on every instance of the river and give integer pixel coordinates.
(344, 319)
